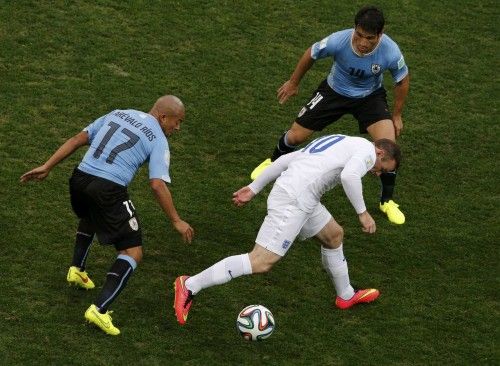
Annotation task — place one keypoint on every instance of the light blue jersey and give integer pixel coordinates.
(357, 76)
(121, 141)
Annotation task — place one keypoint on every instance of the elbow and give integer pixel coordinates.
(157, 185)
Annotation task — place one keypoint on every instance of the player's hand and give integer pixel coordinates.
(38, 174)
(287, 90)
(398, 124)
(185, 230)
(242, 196)
(367, 222)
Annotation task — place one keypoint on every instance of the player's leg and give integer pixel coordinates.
(85, 232)
(83, 240)
(220, 273)
(116, 279)
(276, 235)
(373, 116)
(116, 223)
(286, 144)
(333, 259)
(289, 141)
(259, 260)
(323, 108)
(378, 130)
(335, 264)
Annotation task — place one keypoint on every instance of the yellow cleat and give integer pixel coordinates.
(258, 171)
(394, 214)
(103, 321)
(79, 278)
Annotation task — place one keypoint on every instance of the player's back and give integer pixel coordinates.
(317, 167)
(120, 142)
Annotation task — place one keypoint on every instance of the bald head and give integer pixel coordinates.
(169, 105)
(169, 112)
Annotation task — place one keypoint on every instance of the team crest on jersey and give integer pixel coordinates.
(302, 111)
(134, 225)
(286, 244)
(375, 68)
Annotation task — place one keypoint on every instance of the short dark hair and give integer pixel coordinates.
(392, 150)
(371, 19)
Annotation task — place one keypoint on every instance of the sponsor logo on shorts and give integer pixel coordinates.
(134, 225)
(302, 111)
(286, 244)
(375, 68)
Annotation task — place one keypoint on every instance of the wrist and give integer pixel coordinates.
(175, 220)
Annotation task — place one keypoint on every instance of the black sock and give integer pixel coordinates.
(388, 182)
(83, 240)
(282, 148)
(116, 280)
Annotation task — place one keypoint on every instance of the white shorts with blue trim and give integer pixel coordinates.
(285, 221)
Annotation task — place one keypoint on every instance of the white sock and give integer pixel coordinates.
(221, 272)
(336, 265)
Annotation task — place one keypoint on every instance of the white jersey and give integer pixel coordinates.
(327, 161)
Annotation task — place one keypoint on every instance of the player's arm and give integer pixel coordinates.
(273, 171)
(291, 86)
(65, 150)
(350, 177)
(400, 92)
(164, 198)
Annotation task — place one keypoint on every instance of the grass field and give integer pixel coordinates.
(64, 63)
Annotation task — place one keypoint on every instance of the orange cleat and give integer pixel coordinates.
(360, 296)
(183, 299)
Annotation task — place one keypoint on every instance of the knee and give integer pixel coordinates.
(261, 266)
(334, 240)
(293, 138)
(296, 136)
(138, 257)
(260, 263)
(135, 253)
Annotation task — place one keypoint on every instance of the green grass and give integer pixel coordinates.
(64, 63)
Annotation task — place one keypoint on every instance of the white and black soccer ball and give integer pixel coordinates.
(255, 322)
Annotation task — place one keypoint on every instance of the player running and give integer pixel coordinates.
(294, 209)
(120, 142)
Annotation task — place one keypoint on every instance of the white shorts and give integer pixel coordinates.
(285, 221)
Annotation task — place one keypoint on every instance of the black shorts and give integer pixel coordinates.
(108, 208)
(326, 106)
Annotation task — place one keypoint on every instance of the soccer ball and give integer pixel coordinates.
(255, 322)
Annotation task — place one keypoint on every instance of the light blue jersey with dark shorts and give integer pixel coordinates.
(120, 142)
(357, 76)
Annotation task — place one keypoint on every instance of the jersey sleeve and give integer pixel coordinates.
(159, 162)
(272, 172)
(397, 64)
(94, 127)
(327, 47)
(350, 177)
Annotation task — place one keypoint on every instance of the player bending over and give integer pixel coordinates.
(120, 142)
(294, 209)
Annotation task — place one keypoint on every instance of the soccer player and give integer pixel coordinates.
(353, 86)
(120, 142)
(294, 209)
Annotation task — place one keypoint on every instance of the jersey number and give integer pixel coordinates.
(113, 127)
(323, 143)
